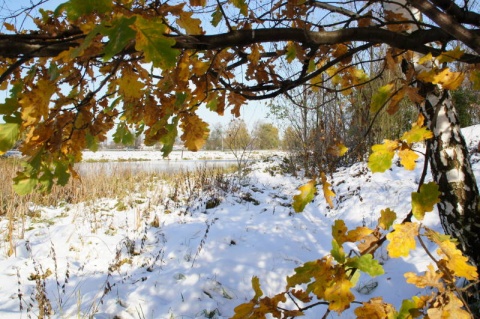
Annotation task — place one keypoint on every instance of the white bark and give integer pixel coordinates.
(450, 166)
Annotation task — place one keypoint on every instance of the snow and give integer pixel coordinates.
(198, 263)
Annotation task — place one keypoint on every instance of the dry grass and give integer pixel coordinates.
(97, 180)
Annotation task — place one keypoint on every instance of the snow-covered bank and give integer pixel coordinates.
(155, 155)
(152, 258)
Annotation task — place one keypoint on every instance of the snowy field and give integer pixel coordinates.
(152, 259)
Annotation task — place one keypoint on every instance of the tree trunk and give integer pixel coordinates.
(452, 171)
(447, 153)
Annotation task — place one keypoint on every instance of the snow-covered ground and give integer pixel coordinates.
(153, 259)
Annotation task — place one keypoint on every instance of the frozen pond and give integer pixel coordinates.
(163, 166)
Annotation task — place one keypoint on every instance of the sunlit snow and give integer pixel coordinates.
(198, 263)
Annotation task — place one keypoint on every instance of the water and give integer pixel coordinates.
(160, 166)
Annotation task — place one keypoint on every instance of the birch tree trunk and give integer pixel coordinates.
(452, 171)
(448, 157)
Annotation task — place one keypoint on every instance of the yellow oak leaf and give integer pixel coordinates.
(237, 101)
(191, 25)
(395, 100)
(427, 76)
(450, 80)
(425, 199)
(359, 76)
(417, 133)
(402, 239)
(338, 149)
(448, 307)
(408, 158)
(375, 308)
(129, 85)
(431, 278)
(382, 154)
(183, 68)
(35, 103)
(244, 310)
(366, 20)
(386, 219)
(200, 67)
(425, 59)
(256, 288)
(390, 62)
(358, 234)
(381, 97)
(339, 295)
(254, 55)
(340, 50)
(451, 55)
(339, 231)
(447, 79)
(455, 261)
(327, 192)
(195, 132)
(307, 193)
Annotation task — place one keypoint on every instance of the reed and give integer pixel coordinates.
(99, 180)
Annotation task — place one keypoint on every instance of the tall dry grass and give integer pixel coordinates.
(104, 180)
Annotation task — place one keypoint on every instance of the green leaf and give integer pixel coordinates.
(303, 274)
(337, 252)
(24, 184)
(381, 158)
(307, 193)
(10, 105)
(168, 139)
(123, 135)
(216, 16)
(53, 72)
(61, 173)
(213, 104)
(242, 5)
(9, 133)
(45, 182)
(475, 79)
(367, 264)
(151, 40)
(92, 143)
(417, 134)
(180, 98)
(86, 42)
(381, 97)
(408, 306)
(291, 52)
(424, 200)
(79, 8)
(119, 34)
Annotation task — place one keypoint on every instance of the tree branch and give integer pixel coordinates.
(447, 23)
(457, 13)
(15, 46)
